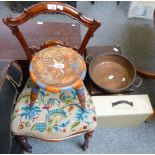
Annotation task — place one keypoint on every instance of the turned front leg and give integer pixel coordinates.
(23, 141)
(87, 138)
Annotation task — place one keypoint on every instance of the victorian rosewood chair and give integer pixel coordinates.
(54, 116)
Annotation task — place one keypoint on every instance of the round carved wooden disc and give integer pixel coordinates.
(57, 68)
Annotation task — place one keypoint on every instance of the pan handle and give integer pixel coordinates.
(138, 82)
(88, 59)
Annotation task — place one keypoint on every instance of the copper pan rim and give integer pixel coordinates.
(116, 90)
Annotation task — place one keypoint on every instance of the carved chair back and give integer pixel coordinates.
(49, 7)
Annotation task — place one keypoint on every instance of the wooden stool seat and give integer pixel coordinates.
(57, 68)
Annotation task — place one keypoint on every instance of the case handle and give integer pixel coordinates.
(122, 101)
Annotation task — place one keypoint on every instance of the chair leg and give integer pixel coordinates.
(81, 96)
(34, 95)
(23, 141)
(87, 138)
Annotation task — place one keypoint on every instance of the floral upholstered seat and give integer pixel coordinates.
(54, 116)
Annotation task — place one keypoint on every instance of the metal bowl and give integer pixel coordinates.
(111, 72)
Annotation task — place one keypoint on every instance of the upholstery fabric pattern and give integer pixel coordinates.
(54, 116)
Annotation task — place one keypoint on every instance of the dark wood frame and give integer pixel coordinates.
(35, 10)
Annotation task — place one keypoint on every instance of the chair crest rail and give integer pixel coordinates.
(50, 7)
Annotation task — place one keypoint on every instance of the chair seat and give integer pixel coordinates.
(57, 68)
(54, 116)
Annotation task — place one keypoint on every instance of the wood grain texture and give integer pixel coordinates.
(35, 10)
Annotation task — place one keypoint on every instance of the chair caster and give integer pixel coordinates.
(87, 138)
(23, 141)
(84, 147)
(28, 148)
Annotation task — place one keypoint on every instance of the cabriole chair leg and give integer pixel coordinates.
(87, 138)
(23, 141)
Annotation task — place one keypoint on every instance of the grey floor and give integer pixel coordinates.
(137, 40)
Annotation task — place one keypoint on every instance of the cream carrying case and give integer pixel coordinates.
(122, 110)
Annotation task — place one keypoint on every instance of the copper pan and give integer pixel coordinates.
(112, 72)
